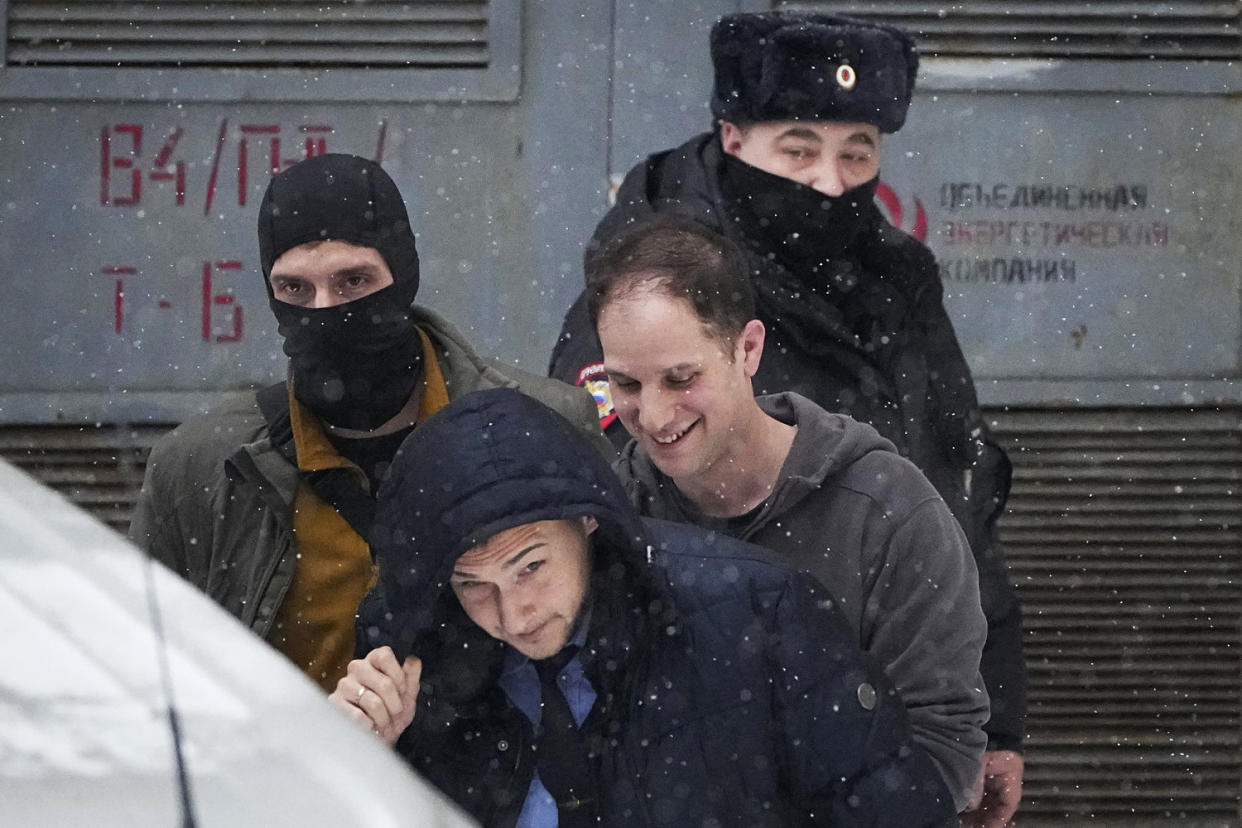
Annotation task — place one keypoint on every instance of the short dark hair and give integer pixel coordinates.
(680, 258)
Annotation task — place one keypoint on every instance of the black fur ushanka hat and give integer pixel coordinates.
(774, 66)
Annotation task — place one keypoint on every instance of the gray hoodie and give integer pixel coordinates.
(868, 525)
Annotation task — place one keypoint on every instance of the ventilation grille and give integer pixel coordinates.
(1124, 535)
(99, 468)
(1178, 30)
(248, 34)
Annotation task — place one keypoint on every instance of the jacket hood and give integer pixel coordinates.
(825, 445)
(485, 463)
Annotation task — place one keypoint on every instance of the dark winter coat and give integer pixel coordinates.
(878, 347)
(729, 691)
(863, 520)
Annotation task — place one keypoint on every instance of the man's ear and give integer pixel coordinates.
(750, 346)
(589, 524)
(731, 136)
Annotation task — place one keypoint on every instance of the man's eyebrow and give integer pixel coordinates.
(358, 270)
(801, 132)
(367, 269)
(861, 138)
(672, 369)
(614, 374)
(516, 559)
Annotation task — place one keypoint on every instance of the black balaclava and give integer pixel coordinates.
(354, 364)
(803, 227)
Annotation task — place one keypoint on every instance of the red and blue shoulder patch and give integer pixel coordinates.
(593, 379)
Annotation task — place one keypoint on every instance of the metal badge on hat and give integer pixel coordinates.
(846, 77)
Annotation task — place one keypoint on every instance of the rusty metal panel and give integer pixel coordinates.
(1124, 535)
(1187, 30)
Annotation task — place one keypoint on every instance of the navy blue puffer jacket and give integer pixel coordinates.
(729, 692)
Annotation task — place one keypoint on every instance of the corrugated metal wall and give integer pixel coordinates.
(345, 33)
(1123, 532)
(1182, 30)
(98, 467)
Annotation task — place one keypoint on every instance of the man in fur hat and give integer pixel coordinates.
(265, 504)
(852, 306)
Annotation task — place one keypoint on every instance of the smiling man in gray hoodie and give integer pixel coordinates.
(675, 314)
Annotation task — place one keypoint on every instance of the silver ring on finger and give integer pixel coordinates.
(362, 691)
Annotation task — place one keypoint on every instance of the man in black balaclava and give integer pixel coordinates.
(852, 306)
(341, 271)
(267, 504)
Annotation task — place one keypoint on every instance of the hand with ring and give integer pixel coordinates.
(379, 693)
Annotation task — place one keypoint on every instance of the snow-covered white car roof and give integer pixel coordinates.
(85, 730)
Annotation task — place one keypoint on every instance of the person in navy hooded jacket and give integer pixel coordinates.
(547, 658)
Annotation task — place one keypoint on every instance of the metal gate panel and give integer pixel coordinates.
(1188, 30)
(97, 467)
(145, 33)
(1124, 535)
(235, 50)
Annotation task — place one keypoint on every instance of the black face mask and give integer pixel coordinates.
(804, 228)
(354, 364)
